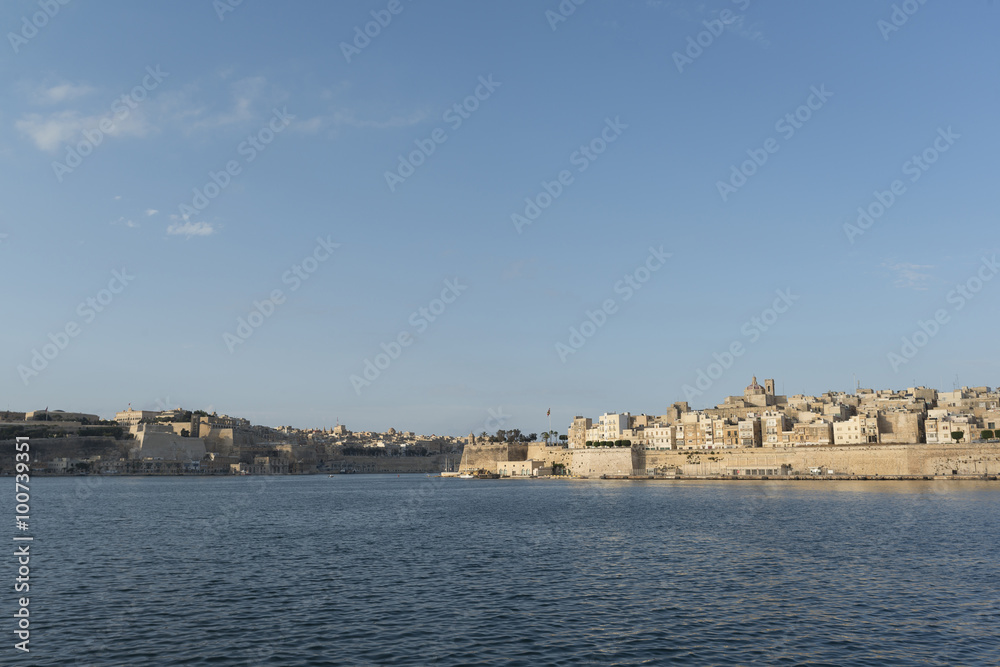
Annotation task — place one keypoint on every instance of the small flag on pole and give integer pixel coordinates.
(549, 413)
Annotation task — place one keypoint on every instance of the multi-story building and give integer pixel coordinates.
(858, 430)
(816, 432)
(939, 428)
(748, 431)
(132, 417)
(578, 431)
(724, 434)
(773, 424)
(609, 427)
(659, 436)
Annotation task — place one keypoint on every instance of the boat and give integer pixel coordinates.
(466, 475)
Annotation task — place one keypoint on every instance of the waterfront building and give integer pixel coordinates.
(659, 436)
(528, 468)
(940, 427)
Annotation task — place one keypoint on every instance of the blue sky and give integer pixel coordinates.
(272, 82)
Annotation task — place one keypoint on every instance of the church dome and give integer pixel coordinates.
(754, 388)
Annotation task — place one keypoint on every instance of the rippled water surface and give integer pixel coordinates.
(360, 569)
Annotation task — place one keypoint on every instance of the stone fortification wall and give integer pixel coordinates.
(486, 456)
(867, 460)
(387, 464)
(886, 460)
(538, 451)
(597, 462)
(71, 447)
(169, 447)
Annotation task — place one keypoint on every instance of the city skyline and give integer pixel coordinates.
(385, 214)
(499, 419)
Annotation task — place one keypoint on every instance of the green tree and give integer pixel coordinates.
(957, 435)
(185, 433)
(986, 435)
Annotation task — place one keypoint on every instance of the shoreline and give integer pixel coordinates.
(606, 478)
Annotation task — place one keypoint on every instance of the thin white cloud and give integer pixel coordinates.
(909, 276)
(348, 118)
(125, 221)
(52, 131)
(151, 211)
(248, 94)
(62, 92)
(189, 228)
(345, 118)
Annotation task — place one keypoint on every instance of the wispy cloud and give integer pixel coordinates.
(60, 93)
(51, 131)
(347, 118)
(151, 212)
(188, 228)
(909, 276)
(126, 221)
(249, 97)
